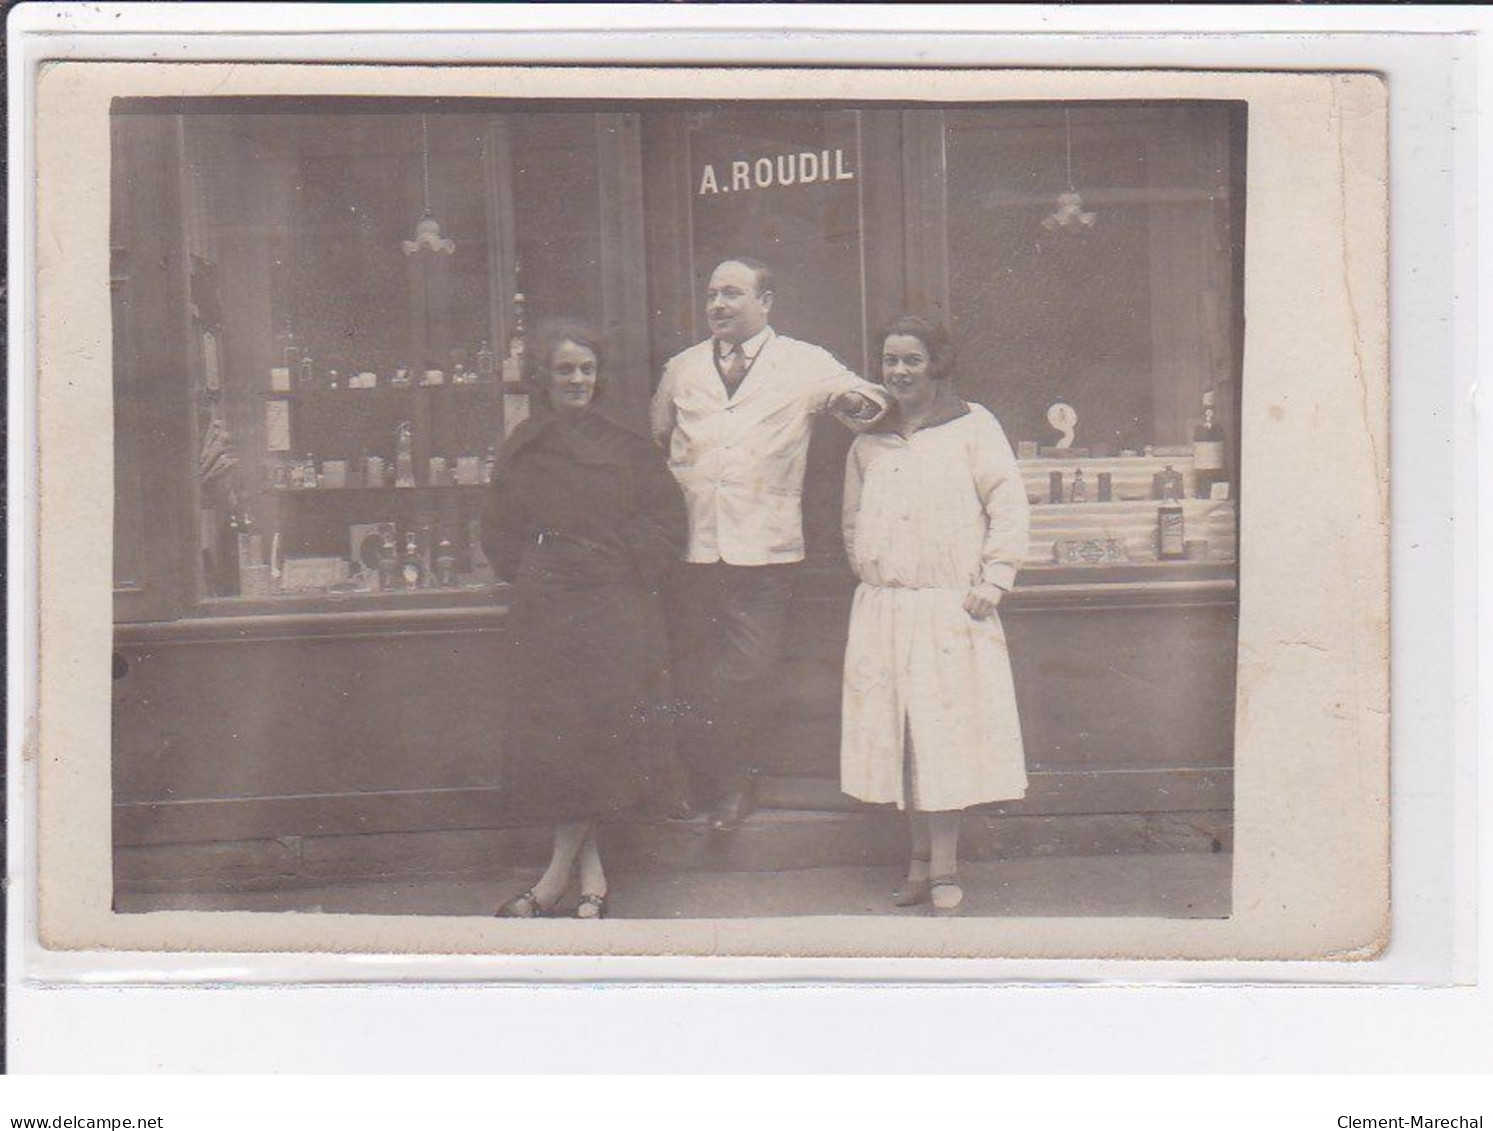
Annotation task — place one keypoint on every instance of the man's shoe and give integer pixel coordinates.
(739, 804)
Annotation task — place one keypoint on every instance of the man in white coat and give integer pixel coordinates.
(736, 412)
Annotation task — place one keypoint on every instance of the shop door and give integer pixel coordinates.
(789, 187)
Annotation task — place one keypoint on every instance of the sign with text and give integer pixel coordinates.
(783, 186)
(782, 170)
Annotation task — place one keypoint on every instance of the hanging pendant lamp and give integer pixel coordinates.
(1069, 214)
(428, 229)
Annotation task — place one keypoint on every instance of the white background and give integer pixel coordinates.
(1435, 1020)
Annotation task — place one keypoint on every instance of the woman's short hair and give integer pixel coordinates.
(934, 336)
(540, 349)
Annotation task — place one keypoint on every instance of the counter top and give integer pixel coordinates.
(1038, 589)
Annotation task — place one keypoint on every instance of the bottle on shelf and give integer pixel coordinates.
(308, 473)
(1168, 484)
(404, 456)
(1209, 451)
(445, 563)
(411, 566)
(487, 364)
(308, 374)
(1080, 492)
(1171, 535)
(480, 568)
(489, 464)
(388, 558)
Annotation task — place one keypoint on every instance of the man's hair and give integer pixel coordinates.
(934, 336)
(761, 271)
(540, 349)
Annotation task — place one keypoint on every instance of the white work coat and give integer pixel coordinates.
(926, 518)
(740, 459)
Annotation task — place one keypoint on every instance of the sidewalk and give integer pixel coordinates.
(1166, 885)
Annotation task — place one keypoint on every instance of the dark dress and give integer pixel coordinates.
(585, 520)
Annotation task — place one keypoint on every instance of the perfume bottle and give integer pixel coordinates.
(404, 456)
(411, 567)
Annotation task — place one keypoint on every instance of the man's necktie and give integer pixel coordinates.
(733, 372)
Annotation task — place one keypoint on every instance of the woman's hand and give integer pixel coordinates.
(982, 601)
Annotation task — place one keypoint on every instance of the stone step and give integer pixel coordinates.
(771, 841)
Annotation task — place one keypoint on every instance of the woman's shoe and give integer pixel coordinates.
(910, 893)
(945, 894)
(525, 905)
(592, 907)
(913, 891)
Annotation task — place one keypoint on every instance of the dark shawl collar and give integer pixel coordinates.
(948, 407)
(589, 436)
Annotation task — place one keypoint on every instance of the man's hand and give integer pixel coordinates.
(857, 406)
(981, 601)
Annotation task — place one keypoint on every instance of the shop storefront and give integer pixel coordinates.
(319, 309)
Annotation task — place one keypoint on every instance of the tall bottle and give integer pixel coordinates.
(388, 558)
(445, 563)
(487, 364)
(1209, 451)
(515, 392)
(1171, 533)
(404, 456)
(411, 565)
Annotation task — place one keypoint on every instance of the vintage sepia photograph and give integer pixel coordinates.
(669, 510)
(810, 516)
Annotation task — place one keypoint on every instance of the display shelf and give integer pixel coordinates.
(318, 393)
(427, 488)
(1131, 476)
(1133, 524)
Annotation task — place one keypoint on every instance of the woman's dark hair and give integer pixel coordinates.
(540, 349)
(934, 336)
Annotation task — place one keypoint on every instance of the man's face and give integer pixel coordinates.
(733, 307)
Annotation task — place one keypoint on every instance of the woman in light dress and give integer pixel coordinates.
(936, 527)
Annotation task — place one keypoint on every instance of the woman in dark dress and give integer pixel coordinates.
(585, 521)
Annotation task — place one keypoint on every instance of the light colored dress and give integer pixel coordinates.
(926, 518)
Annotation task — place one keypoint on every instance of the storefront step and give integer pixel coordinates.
(1157, 885)
(771, 841)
